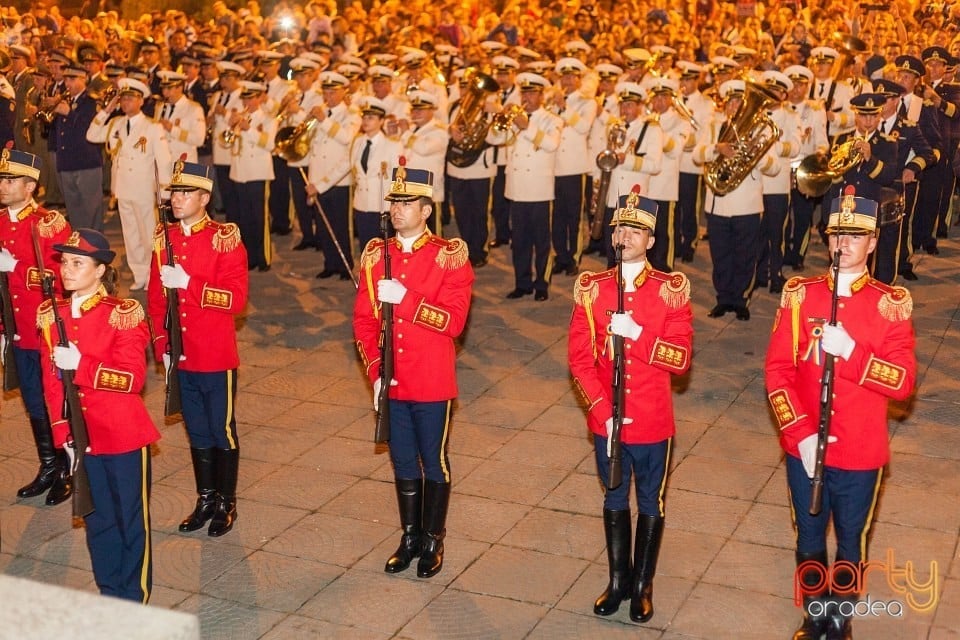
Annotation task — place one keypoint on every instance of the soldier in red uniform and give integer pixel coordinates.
(873, 345)
(657, 326)
(430, 292)
(210, 279)
(107, 337)
(19, 172)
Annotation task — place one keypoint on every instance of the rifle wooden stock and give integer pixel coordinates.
(382, 433)
(619, 389)
(11, 379)
(826, 402)
(172, 400)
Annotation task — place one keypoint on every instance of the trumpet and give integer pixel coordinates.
(47, 115)
(230, 138)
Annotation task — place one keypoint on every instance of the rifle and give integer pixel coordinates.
(11, 379)
(619, 388)
(72, 412)
(826, 401)
(382, 433)
(171, 322)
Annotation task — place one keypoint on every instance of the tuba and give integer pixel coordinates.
(751, 132)
(472, 119)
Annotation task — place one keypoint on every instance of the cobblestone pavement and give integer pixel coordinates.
(525, 553)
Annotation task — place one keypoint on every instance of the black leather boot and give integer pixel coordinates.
(649, 534)
(225, 514)
(812, 626)
(839, 624)
(616, 527)
(204, 474)
(43, 438)
(410, 503)
(436, 499)
(62, 486)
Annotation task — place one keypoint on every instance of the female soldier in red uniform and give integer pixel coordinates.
(107, 338)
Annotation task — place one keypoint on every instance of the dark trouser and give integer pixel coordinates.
(216, 201)
(500, 207)
(366, 226)
(608, 249)
(686, 223)
(208, 400)
(734, 243)
(530, 224)
(307, 216)
(470, 201)
(83, 197)
(118, 531)
(251, 218)
(935, 191)
(279, 201)
(418, 439)
(31, 386)
(946, 198)
(647, 463)
(336, 205)
(773, 227)
(910, 197)
(228, 192)
(886, 255)
(662, 253)
(798, 238)
(567, 209)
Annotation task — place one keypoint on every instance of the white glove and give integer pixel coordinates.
(622, 324)
(3, 346)
(609, 425)
(7, 261)
(390, 291)
(174, 277)
(166, 365)
(376, 391)
(67, 358)
(837, 342)
(808, 452)
(71, 452)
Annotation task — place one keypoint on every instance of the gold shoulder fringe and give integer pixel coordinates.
(586, 289)
(675, 290)
(126, 315)
(453, 254)
(51, 224)
(896, 305)
(45, 315)
(158, 240)
(227, 238)
(371, 253)
(793, 293)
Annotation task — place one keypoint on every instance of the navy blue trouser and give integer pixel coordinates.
(470, 199)
(307, 216)
(279, 200)
(567, 209)
(418, 440)
(500, 207)
(251, 218)
(336, 205)
(228, 192)
(118, 531)
(366, 225)
(686, 225)
(647, 463)
(802, 208)
(530, 226)
(31, 388)
(734, 245)
(773, 229)
(662, 253)
(208, 400)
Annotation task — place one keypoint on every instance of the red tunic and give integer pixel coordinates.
(216, 261)
(111, 334)
(439, 282)
(882, 366)
(25, 291)
(661, 305)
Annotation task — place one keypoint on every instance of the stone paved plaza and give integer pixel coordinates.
(525, 550)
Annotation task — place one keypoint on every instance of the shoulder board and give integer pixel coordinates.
(127, 312)
(674, 288)
(795, 290)
(893, 136)
(51, 223)
(908, 123)
(816, 105)
(371, 253)
(587, 287)
(452, 254)
(226, 236)
(896, 303)
(653, 119)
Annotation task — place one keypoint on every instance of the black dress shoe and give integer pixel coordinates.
(718, 311)
(281, 232)
(303, 244)
(776, 287)
(942, 234)
(742, 313)
(540, 296)
(327, 273)
(558, 269)
(908, 274)
(933, 251)
(572, 270)
(263, 268)
(798, 266)
(687, 256)
(479, 263)
(518, 293)
(344, 275)
(761, 284)
(498, 243)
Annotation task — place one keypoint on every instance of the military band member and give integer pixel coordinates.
(578, 110)
(150, 63)
(209, 278)
(531, 144)
(329, 174)
(944, 99)
(733, 220)
(279, 91)
(140, 153)
(382, 88)
(425, 145)
(8, 98)
(505, 73)
(372, 157)
(20, 215)
(251, 168)
(430, 292)
(690, 197)
(305, 107)
(182, 119)
(107, 337)
(417, 79)
(21, 77)
(872, 345)
(835, 95)
(597, 141)
(657, 328)
(224, 104)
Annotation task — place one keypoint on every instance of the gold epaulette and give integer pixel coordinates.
(674, 288)
(45, 315)
(587, 287)
(227, 236)
(795, 290)
(896, 303)
(159, 241)
(127, 313)
(452, 254)
(371, 253)
(51, 224)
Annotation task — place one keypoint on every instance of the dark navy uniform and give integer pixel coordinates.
(80, 163)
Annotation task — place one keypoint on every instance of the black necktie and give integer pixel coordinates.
(128, 126)
(365, 156)
(167, 111)
(822, 85)
(883, 126)
(903, 107)
(329, 112)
